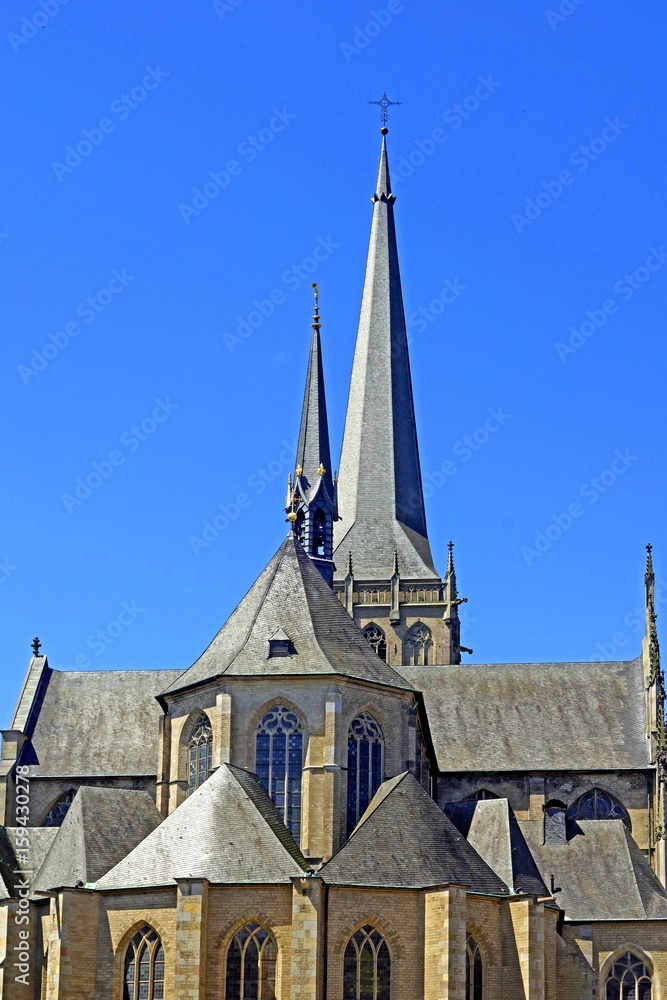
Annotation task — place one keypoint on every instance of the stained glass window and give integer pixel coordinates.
(251, 965)
(366, 966)
(474, 970)
(365, 766)
(279, 763)
(597, 804)
(374, 635)
(200, 753)
(59, 809)
(628, 979)
(144, 967)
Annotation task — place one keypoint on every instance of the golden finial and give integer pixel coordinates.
(290, 501)
(316, 316)
(298, 471)
(321, 470)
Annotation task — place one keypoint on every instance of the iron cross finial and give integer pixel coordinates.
(384, 103)
(36, 645)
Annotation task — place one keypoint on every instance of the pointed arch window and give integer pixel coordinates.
(279, 763)
(474, 970)
(251, 965)
(374, 635)
(365, 766)
(319, 533)
(59, 809)
(200, 753)
(367, 966)
(418, 644)
(628, 979)
(597, 804)
(144, 967)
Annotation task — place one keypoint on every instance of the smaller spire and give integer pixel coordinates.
(649, 575)
(311, 501)
(451, 618)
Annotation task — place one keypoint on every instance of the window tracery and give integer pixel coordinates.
(59, 809)
(279, 763)
(628, 979)
(418, 643)
(365, 766)
(251, 965)
(597, 804)
(200, 753)
(144, 967)
(367, 966)
(376, 638)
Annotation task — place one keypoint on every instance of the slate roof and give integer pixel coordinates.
(535, 716)
(490, 826)
(101, 827)
(601, 871)
(290, 594)
(380, 497)
(227, 831)
(405, 840)
(41, 838)
(313, 447)
(76, 730)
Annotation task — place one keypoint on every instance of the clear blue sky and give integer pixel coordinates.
(540, 201)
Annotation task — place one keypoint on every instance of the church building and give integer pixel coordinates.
(333, 802)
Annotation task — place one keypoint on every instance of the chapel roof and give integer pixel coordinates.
(602, 873)
(490, 826)
(290, 594)
(101, 827)
(228, 831)
(535, 716)
(405, 840)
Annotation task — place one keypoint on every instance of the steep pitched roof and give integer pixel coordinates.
(404, 840)
(380, 496)
(535, 716)
(601, 872)
(75, 729)
(101, 827)
(313, 447)
(12, 846)
(227, 831)
(490, 826)
(290, 594)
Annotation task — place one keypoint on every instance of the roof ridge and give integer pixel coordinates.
(248, 632)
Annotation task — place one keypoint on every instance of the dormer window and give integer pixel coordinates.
(279, 645)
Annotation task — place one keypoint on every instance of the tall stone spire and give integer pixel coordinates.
(380, 493)
(312, 493)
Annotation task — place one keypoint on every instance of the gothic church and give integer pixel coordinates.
(329, 804)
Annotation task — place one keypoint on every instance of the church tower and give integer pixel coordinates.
(311, 501)
(385, 575)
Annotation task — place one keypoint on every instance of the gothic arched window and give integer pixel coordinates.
(319, 533)
(251, 965)
(279, 763)
(365, 766)
(59, 809)
(200, 753)
(418, 645)
(374, 635)
(474, 970)
(366, 966)
(144, 967)
(597, 804)
(479, 795)
(628, 979)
